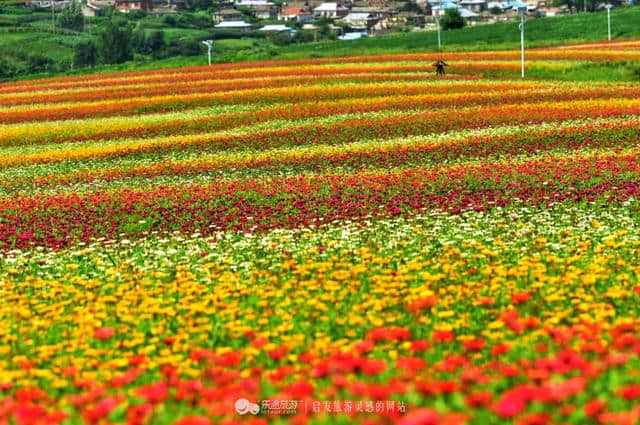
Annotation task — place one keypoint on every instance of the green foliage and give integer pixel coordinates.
(303, 36)
(85, 54)
(633, 70)
(114, 44)
(139, 40)
(169, 20)
(184, 47)
(149, 43)
(452, 20)
(71, 17)
(136, 14)
(156, 44)
(282, 39)
(6, 69)
(38, 63)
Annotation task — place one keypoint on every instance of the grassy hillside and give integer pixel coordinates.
(539, 32)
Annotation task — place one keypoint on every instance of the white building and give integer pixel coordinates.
(360, 21)
(276, 28)
(233, 25)
(330, 10)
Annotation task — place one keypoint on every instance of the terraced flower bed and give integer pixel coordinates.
(345, 240)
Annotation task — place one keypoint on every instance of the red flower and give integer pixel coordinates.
(499, 349)
(278, 353)
(365, 346)
(421, 416)
(419, 345)
(518, 298)
(541, 418)
(194, 420)
(373, 367)
(423, 303)
(104, 333)
(400, 334)
(300, 389)
(478, 399)
(474, 345)
(100, 410)
(631, 392)
(443, 336)
(594, 407)
(153, 393)
(28, 414)
(510, 405)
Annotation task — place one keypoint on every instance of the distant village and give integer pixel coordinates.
(349, 19)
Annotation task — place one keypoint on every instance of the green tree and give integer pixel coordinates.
(139, 41)
(114, 44)
(156, 44)
(40, 63)
(84, 54)
(6, 69)
(71, 17)
(452, 19)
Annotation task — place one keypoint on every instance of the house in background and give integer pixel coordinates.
(168, 6)
(129, 5)
(360, 21)
(470, 16)
(90, 10)
(46, 4)
(402, 19)
(261, 9)
(330, 10)
(476, 6)
(295, 14)
(227, 15)
(377, 12)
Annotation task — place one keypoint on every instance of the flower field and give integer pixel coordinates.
(322, 241)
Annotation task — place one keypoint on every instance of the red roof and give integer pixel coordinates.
(293, 11)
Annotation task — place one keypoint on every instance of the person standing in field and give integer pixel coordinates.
(440, 64)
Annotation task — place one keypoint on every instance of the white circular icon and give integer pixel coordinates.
(244, 406)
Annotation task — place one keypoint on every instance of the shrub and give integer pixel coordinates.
(452, 20)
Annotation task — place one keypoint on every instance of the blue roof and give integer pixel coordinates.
(515, 4)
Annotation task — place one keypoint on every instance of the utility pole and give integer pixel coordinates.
(209, 44)
(438, 22)
(608, 6)
(522, 11)
(53, 17)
